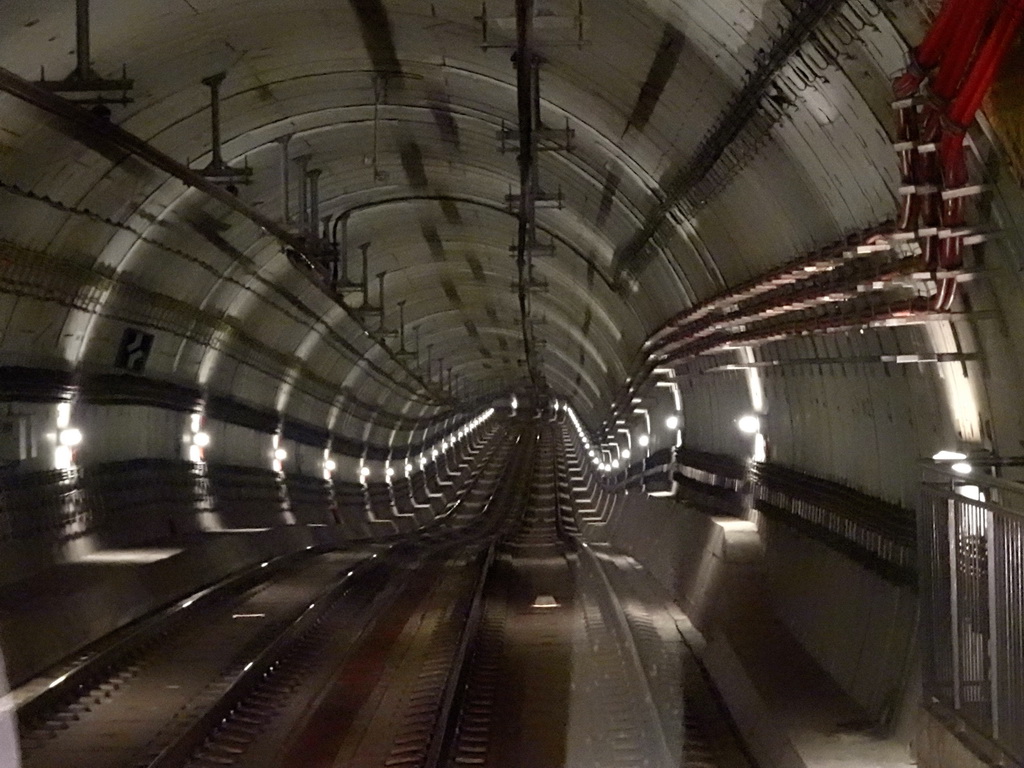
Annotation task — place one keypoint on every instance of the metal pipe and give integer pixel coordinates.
(213, 83)
(314, 201)
(109, 139)
(286, 213)
(526, 79)
(303, 162)
(84, 70)
(401, 326)
(380, 296)
(365, 247)
(341, 220)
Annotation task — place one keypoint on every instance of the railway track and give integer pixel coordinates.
(230, 657)
(496, 639)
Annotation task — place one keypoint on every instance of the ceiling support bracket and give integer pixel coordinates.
(83, 86)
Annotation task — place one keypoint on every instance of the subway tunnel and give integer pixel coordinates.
(707, 308)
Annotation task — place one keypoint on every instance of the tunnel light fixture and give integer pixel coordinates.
(280, 454)
(672, 422)
(962, 468)
(749, 424)
(626, 453)
(201, 439)
(643, 441)
(63, 457)
(389, 472)
(949, 456)
(615, 463)
(408, 469)
(70, 437)
(330, 465)
(57, 681)
(195, 454)
(63, 415)
(364, 471)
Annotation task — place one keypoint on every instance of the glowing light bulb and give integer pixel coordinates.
(749, 424)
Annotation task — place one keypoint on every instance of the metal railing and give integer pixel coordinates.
(971, 545)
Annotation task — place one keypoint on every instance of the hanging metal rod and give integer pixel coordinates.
(99, 134)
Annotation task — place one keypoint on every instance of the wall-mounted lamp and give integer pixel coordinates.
(70, 437)
(749, 424)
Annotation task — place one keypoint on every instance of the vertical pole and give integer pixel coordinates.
(303, 163)
(365, 248)
(401, 326)
(993, 646)
(954, 611)
(213, 82)
(82, 39)
(380, 296)
(343, 248)
(286, 212)
(314, 201)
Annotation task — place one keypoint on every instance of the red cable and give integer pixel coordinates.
(956, 59)
(965, 105)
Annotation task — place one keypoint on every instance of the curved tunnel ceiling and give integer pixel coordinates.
(401, 105)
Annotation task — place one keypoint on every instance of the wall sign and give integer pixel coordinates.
(134, 349)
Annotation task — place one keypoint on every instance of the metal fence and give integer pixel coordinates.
(971, 544)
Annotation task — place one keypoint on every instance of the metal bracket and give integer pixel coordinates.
(83, 86)
(217, 170)
(548, 139)
(500, 31)
(540, 199)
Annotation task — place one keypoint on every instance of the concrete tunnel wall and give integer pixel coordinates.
(93, 243)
